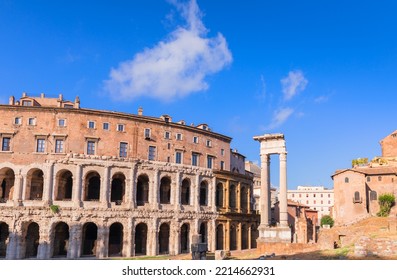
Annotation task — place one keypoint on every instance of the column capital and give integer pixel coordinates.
(283, 156)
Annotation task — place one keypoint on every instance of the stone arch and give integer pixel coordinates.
(61, 240)
(232, 196)
(220, 237)
(165, 190)
(203, 232)
(254, 236)
(204, 193)
(89, 239)
(64, 185)
(219, 195)
(185, 192)
(141, 231)
(117, 191)
(116, 239)
(244, 237)
(92, 186)
(233, 238)
(35, 184)
(7, 180)
(164, 239)
(4, 233)
(142, 190)
(32, 238)
(185, 231)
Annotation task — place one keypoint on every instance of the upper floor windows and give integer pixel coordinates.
(123, 149)
(222, 165)
(121, 127)
(32, 121)
(61, 122)
(18, 121)
(27, 103)
(178, 136)
(6, 144)
(152, 153)
(90, 147)
(167, 135)
(346, 179)
(40, 145)
(209, 143)
(222, 152)
(195, 139)
(210, 161)
(147, 133)
(195, 159)
(91, 124)
(105, 126)
(178, 157)
(59, 146)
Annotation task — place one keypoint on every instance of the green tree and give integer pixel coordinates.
(386, 201)
(327, 220)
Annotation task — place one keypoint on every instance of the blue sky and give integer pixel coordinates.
(321, 72)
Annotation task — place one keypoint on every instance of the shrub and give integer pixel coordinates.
(386, 201)
(54, 208)
(327, 220)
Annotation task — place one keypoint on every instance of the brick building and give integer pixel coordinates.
(78, 182)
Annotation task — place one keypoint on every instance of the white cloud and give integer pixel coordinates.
(175, 67)
(293, 84)
(280, 116)
(321, 99)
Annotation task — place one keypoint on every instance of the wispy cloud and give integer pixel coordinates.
(321, 99)
(280, 116)
(175, 67)
(293, 84)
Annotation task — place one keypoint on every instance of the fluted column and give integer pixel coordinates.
(264, 200)
(283, 190)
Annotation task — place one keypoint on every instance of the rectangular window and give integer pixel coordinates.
(40, 146)
(195, 139)
(18, 121)
(91, 124)
(209, 143)
(167, 135)
(32, 121)
(90, 147)
(222, 152)
(152, 153)
(210, 161)
(6, 144)
(178, 157)
(178, 136)
(123, 149)
(59, 146)
(195, 158)
(61, 123)
(147, 133)
(222, 165)
(105, 126)
(120, 127)
(27, 103)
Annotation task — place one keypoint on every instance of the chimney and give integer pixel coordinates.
(42, 95)
(24, 94)
(60, 97)
(140, 111)
(77, 102)
(11, 100)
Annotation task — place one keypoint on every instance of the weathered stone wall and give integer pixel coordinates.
(381, 247)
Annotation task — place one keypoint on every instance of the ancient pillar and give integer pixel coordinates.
(212, 192)
(129, 237)
(212, 235)
(155, 190)
(102, 242)
(75, 240)
(104, 198)
(226, 196)
(43, 250)
(18, 188)
(265, 199)
(196, 193)
(12, 247)
(48, 183)
(283, 190)
(131, 187)
(176, 192)
(77, 187)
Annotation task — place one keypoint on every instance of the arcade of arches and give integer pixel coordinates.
(122, 209)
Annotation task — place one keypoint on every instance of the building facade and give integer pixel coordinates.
(317, 198)
(357, 189)
(78, 182)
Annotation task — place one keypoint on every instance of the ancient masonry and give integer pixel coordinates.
(77, 182)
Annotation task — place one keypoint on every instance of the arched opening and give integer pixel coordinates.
(203, 232)
(185, 238)
(203, 193)
(140, 239)
(232, 196)
(117, 189)
(219, 237)
(32, 240)
(61, 240)
(165, 190)
(92, 186)
(164, 239)
(219, 195)
(35, 184)
(233, 238)
(4, 233)
(65, 185)
(7, 180)
(185, 192)
(142, 190)
(244, 237)
(116, 239)
(254, 236)
(90, 235)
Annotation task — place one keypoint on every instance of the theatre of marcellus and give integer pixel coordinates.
(79, 182)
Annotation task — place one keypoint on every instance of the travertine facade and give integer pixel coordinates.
(78, 182)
